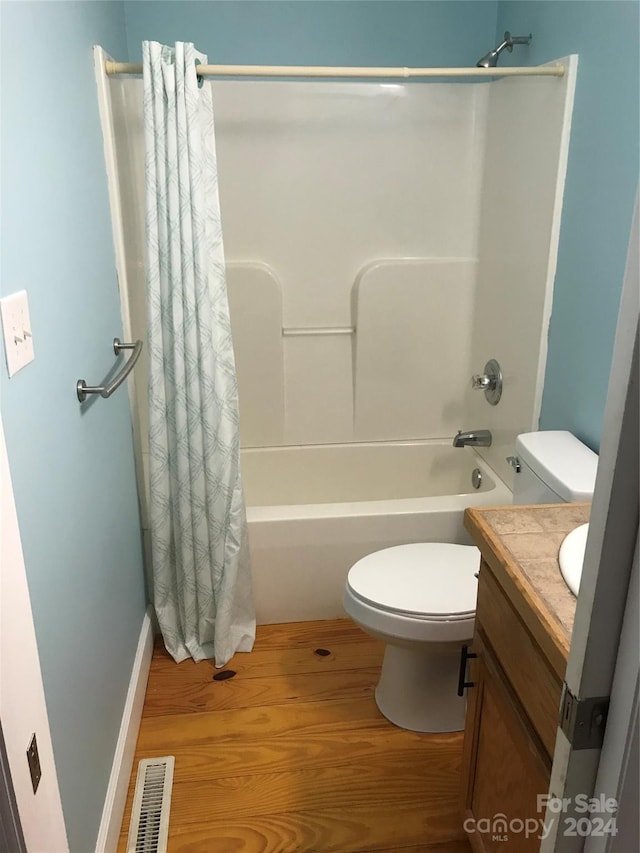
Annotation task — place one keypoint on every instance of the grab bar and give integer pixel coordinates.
(82, 389)
(303, 331)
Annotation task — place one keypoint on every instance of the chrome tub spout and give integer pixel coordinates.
(473, 438)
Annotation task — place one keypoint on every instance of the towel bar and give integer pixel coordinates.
(82, 389)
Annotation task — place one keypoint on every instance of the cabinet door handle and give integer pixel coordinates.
(465, 655)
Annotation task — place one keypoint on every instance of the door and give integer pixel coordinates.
(11, 837)
(23, 709)
(605, 593)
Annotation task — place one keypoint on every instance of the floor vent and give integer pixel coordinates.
(149, 826)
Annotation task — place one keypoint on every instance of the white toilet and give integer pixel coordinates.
(420, 599)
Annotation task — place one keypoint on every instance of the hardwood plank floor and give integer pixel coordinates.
(291, 755)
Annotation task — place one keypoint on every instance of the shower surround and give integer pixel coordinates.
(382, 240)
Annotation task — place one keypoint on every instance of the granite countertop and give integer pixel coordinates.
(521, 544)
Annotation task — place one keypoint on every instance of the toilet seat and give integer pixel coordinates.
(427, 581)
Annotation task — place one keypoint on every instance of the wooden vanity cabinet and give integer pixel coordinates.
(510, 725)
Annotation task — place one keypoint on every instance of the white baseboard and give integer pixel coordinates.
(115, 799)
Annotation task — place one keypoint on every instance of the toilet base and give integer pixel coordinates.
(418, 687)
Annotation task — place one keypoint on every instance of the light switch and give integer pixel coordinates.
(16, 327)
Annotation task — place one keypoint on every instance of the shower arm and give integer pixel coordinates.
(510, 40)
(490, 60)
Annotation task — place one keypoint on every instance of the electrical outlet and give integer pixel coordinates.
(33, 760)
(16, 327)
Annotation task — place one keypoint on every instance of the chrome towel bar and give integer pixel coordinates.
(82, 389)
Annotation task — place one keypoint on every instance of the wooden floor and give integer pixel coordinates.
(292, 753)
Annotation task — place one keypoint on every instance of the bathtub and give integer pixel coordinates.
(313, 511)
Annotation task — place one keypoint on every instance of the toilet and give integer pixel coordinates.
(420, 599)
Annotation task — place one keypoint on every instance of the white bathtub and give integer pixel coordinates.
(314, 510)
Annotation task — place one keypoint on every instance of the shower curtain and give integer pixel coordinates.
(201, 575)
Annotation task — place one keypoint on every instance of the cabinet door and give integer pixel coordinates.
(505, 767)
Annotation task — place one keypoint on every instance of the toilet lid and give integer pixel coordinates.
(429, 579)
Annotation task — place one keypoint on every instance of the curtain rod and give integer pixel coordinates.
(116, 68)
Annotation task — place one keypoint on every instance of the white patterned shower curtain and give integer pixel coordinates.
(201, 576)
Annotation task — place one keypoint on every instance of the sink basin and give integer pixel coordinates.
(571, 557)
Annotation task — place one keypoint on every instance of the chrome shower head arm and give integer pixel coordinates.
(511, 40)
(490, 60)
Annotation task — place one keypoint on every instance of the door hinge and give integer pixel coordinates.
(583, 721)
(33, 760)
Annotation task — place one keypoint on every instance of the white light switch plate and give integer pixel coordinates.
(16, 328)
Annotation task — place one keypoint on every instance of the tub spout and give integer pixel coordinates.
(474, 438)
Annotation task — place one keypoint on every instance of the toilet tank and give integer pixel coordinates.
(555, 467)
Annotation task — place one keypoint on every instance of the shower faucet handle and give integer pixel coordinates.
(480, 381)
(490, 382)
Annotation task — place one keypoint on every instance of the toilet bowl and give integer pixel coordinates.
(420, 600)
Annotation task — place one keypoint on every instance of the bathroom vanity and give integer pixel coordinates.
(515, 669)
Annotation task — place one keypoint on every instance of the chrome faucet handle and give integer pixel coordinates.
(490, 382)
(480, 381)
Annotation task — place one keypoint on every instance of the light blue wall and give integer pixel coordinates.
(73, 472)
(600, 190)
(325, 32)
